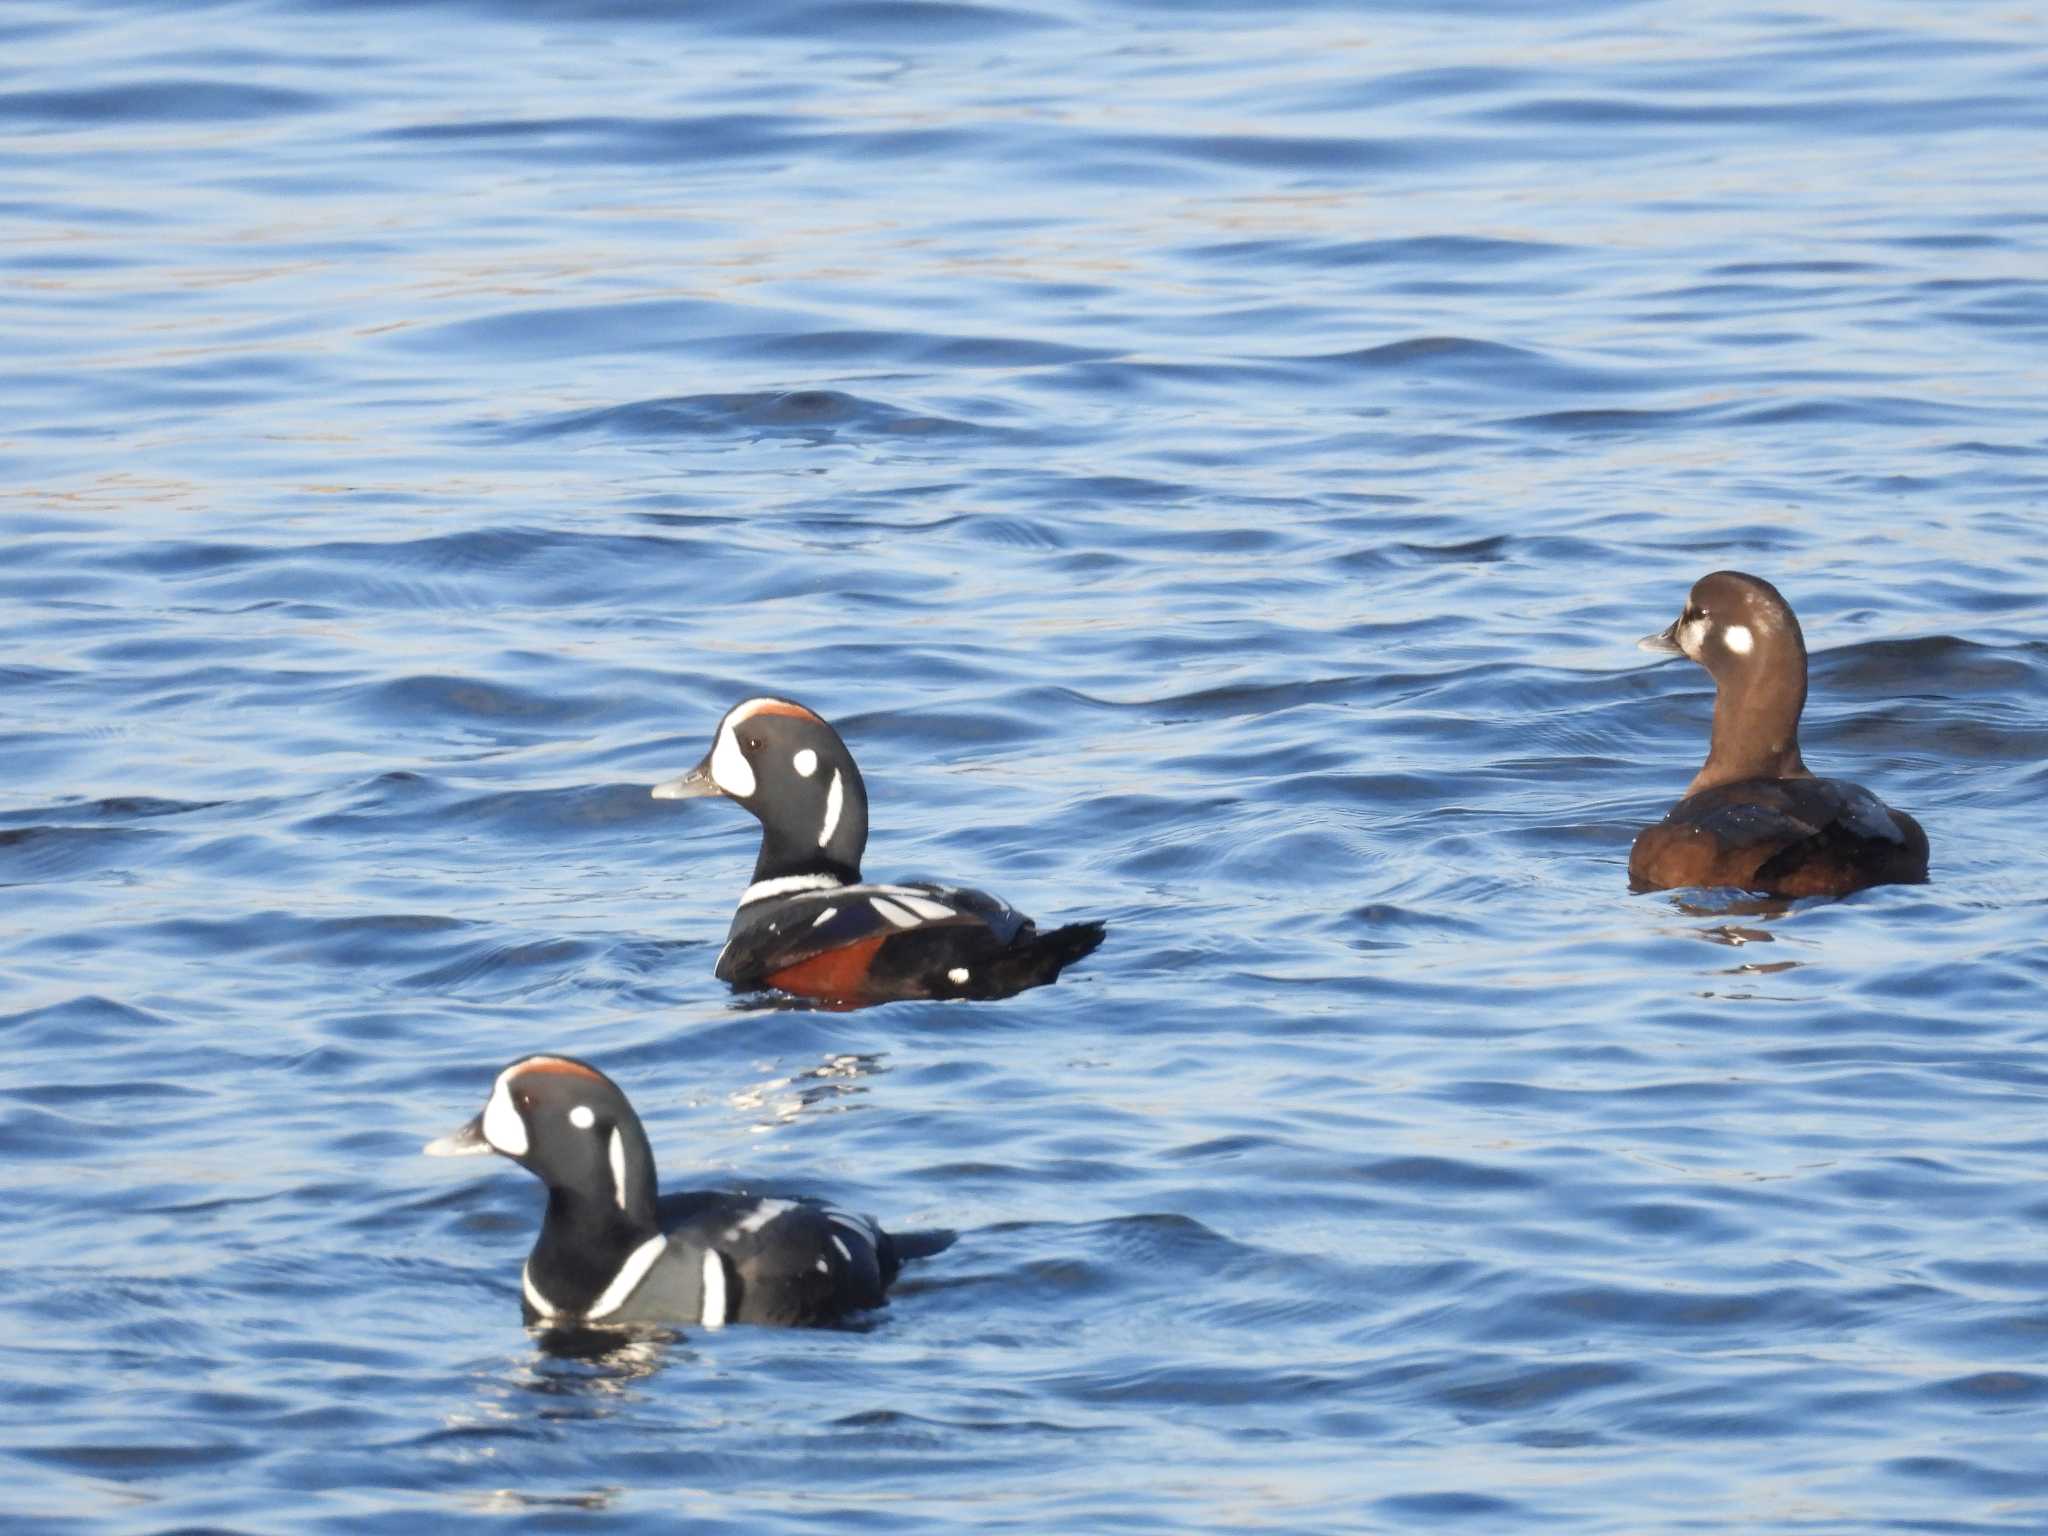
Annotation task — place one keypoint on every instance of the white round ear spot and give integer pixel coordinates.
(805, 763)
(1738, 639)
(730, 770)
(582, 1117)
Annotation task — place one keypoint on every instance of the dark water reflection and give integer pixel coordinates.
(1213, 464)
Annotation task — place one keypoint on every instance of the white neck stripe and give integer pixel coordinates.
(835, 800)
(786, 885)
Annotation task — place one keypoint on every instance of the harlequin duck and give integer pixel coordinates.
(1755, 816)
(611, 1253)
(809, 925)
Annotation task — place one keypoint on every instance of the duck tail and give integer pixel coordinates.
(1038, 958)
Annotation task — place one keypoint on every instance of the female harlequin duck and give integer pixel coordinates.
(809, 925)
(610, 1253)
(1754, 816)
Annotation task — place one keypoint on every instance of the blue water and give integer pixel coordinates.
(1213, 463)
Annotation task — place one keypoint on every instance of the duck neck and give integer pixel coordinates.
(782, 856)
(584, 1242)
(1756, 729)
(824, 838)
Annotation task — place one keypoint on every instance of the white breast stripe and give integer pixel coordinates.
(840, 1243)
(713, 1315)
(618, 1168)
(894, 913)
(824, 917)
(924, 906)
(628, 1279)
(788, 885)
(835, 802)
(534, 1299)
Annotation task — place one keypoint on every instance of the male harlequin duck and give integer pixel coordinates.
(611, 1253)
(809, 925)
(1754, 816)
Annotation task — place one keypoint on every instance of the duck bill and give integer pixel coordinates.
(694, 785)
(1664, 642)
(467, 1142)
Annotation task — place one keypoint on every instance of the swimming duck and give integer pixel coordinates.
(808, 923)
(1754, 816)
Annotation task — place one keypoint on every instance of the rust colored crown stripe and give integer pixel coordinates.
(563, 1065)
(778, 707)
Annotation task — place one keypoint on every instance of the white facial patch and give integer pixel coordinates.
(1738, 639)
(805, 763)
(1691, 636)
(730, 770)
(582, 1117)
(835, 802)
(503, 1126)
(618, 1167)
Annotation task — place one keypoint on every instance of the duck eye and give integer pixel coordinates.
(753, 743)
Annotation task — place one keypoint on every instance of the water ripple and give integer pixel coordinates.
(1213, 464)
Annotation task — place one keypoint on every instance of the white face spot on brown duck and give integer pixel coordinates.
(1755, 817)
(1692, 634)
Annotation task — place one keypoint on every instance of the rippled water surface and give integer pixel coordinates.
(1212, 462)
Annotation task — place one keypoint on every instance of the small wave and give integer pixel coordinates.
(156, 101)
(816, 415)
(39, 854)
